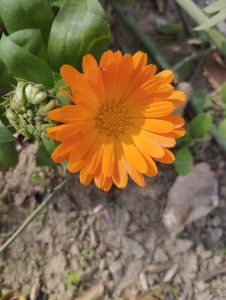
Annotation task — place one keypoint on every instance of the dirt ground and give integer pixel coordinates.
(115, 243)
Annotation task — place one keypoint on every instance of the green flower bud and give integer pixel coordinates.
(27, 109)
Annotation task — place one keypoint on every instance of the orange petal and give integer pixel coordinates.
(152, 168)
(177, 98)
(61, 152)
(159, 109)
(120, 176)
(76, 166)
(69, 75)
(108, 158)
(162, 140)
(154, 125)
(132, 154)
(140, 60)
(168, 157)
(85, 177)
(89, 63)
(177, 121)
(165, 76)
(144, 143)
(70, 114)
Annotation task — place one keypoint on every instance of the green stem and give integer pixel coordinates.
(200, 17)
(34, 215)
(144, 38)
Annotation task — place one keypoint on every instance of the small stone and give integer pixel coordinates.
(102, 265)
(143, 282)
(218, 259)
(183, 245)
(201, 285)
(160, 256)
(133, 228)
(205, 295)
(192, 264)
(115, 268)
(216, 234)
(132, 248)
(216, 221)
(105, 275)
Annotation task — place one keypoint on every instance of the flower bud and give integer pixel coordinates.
(27, 109)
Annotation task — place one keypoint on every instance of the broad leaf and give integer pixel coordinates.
(80, 27)
(5, 76)
(29, 39)
(215, 6)
(200, 125)
(5, 135)
(57, 3)
(201, 100)
(8, 155)
(24, 64)
(43, 157)
(24, 14)
(184, 161)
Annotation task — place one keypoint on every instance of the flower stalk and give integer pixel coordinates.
(35, 214)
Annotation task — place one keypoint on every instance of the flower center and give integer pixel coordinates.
(112, 119)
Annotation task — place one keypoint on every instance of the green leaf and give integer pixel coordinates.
(168, 28)
(80, 27)
(213, 21)
(223, 92)
(24, 64)
(43, 157)
(8, 155)
(187, 140)
(57, 3)
(5, 135)
(184, 161)
(29, 39)
(201, 100)
(5, 77)
(22, 14)
(222, 128)
(215, 7)
(200, 125)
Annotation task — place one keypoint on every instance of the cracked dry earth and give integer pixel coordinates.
(112, 243)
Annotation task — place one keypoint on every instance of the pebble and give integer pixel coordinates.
(201, 285)
(143, 282)
(216, 221)
(218, 259)
(160, 256)
(216, 234)
(132, 248)
(192, 263)
(183, 245)
(115, 268)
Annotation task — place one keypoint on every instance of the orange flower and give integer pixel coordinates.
(120, 121)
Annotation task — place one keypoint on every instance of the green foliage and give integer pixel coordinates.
(201, 100)
(29, 39)
(80, 27)
(200, 125)
(126, 2)
(222, 128)
(218, 7)
(23, 14)
(5, 135)
(81, 256)
(167, 27)
(72, 279)
(43, 157)
(184, 161)
(23, 64)
(223, 92)
(8, 155)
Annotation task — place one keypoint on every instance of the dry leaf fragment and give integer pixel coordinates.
(215, 70)
(191, 197)
(95, 293)
(13, 296)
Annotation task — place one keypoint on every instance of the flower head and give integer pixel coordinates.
(120, 121)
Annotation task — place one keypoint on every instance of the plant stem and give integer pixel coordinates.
(144, 38)
(34, 215)
(200, 17)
